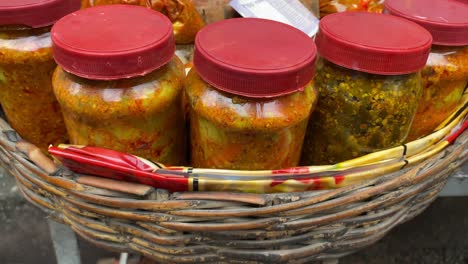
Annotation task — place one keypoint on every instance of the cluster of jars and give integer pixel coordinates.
(261, 94)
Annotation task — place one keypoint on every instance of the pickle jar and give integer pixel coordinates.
(446, 73)
(26, 67)
(185, 19)
(250, 94)
(120, 85)
(333, 6)
(369, 85)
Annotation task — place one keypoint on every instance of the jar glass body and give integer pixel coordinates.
(26, 95)
(141, 115)
(185, 18)
(240, 133)
(358, 113)
(444, 79)
(333, 6)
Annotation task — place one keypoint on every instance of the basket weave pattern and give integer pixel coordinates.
(231, 227)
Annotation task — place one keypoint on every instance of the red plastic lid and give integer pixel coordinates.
(373, 43)
(113, 42)
(35, 13)
(447, 20)
(254, 57)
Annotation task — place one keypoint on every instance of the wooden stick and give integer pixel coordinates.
(120, 186)
(221, 196)
(37, 156)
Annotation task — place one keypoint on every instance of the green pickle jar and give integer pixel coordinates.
(26, 67)
(369, 85)
(445, 76)
(250, 94)
(120, 86)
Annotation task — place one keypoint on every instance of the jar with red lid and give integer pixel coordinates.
(369, 85)
(120, 87)
(26, 67)
(445, 76)
(250, 94)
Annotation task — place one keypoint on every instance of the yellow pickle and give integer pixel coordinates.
(26, 67)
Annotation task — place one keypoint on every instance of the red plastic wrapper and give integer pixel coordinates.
(116, 165)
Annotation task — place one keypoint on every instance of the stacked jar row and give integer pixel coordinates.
(258, 97)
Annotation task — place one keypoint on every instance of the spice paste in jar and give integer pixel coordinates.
(446, 73)
(236, 132)
(369, 85)
(26, 67)
(250, 100)
(131, 101)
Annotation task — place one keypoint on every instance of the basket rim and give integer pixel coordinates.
(282, 180)
(295, 179)
(172, 228)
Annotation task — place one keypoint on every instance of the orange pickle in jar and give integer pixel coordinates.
(445, 77)
(26, 67)
(444, 80)
(243, 133)
(184, 16)
(248, 108)
(131, 101)
(333, 6)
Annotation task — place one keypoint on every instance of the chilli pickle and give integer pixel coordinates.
(250, 95)
(445, 76)
(26, 67)
(369, 85)
(121, 86)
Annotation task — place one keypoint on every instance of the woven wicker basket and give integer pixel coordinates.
(215, 227)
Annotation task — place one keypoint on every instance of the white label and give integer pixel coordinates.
(290, 12)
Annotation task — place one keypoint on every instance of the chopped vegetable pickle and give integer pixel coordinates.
(444, 80)
(233, 132)
(141, 115)
(186, 21)
(333, 6)
(26, 95)
(358, 113)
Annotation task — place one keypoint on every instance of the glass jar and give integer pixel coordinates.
(369, 85)
(444, 80)
(184, 16)
(26, 67)
(445, 76)
(121, 93)
(250, 100)
(333, 6)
